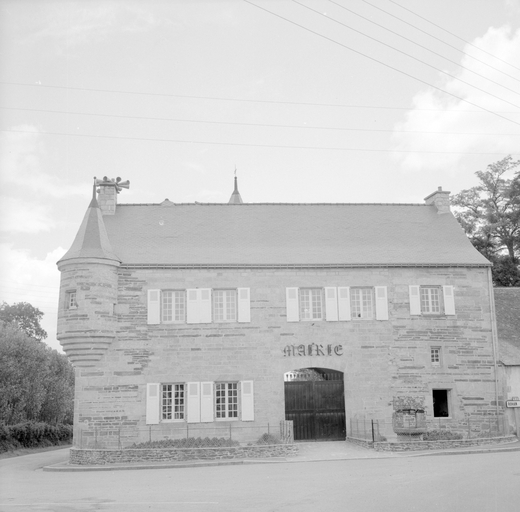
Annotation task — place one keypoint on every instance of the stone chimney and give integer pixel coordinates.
(107, 194)
(441, 199)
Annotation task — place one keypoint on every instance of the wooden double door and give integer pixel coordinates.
(317, 407)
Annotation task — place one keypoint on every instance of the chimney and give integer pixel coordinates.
(107, 194)
(441, 199)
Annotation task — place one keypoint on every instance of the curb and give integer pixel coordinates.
(66, 467)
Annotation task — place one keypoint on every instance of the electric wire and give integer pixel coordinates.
(422, 46)
(261, 125)
(441, 41)
(454, 35)
(238, 144)
(407, 54)
(379, 62)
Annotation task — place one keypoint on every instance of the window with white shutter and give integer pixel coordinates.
(152, 404)
(193, 405)
(154, 307)
(292, 306)
(344, 304)
(331, 304)
(244, 305)
(247, 400)
(381, 302)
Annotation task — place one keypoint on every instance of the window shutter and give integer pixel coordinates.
(344, 303)
(293, 312)
(193, 415)
(206, 402)
(152, 404)
(381, 303)
(415, 300)
(205, 306)
(449, 300)
(331, 304)
(244, 305)
(154, 306)
(192, 306)
(247, 400)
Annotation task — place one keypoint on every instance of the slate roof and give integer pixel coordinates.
(288, 234)
(507, 306)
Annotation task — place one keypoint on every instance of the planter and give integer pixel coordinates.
(409, 421)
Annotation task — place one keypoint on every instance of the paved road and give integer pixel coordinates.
(463, 483)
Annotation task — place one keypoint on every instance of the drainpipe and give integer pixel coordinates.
(494, 336)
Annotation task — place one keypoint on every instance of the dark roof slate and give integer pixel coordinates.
(288, 234)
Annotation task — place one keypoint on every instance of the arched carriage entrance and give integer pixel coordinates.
(315, 402)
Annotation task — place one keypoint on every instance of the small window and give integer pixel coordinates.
(173, 306)
(225, 305)
(311, 304)
(71, 300)
(435, 356)
(440, 403)
(226, 400)
(430, 300)
(362, 303)
(172, 402)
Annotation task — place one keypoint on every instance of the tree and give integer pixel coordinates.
(26, 317)
(490, 215)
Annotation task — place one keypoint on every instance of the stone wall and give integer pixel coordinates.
(380, 359)
(98, 457)
(440, 445)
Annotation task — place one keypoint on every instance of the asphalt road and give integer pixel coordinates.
(485, 482)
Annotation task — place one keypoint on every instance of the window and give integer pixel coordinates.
(173, 306)
(311, 304)
(172, 402)
(440, 403)
(226, 400)
(361, 303)
(430, 300)
(435, 356)
(71, 300)
(224, 305)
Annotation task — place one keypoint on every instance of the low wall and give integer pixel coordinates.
(87, 456)
(439, 445)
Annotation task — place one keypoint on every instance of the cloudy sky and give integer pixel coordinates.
(373, 101)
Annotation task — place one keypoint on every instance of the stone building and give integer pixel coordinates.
(196, 319)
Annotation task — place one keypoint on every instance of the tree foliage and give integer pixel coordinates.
(26, 317)
(36, 382)
(490, 215)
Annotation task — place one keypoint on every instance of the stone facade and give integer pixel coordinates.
(118, 352)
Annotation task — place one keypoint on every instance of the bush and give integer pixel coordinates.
(268, 439)
(441, 435)
(190, 442)
(31, 434)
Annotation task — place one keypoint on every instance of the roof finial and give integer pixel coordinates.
(94, 189)
(235, 196)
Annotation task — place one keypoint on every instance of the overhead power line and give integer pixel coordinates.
(241, 100)
(381, 62)
(454, 35)
(424, 47)
(322, 148)
(260, 125)
(407, 54)
(440, 40)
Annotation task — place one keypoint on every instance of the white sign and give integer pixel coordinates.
(513, 403)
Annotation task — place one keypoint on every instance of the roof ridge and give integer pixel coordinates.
(274, 204)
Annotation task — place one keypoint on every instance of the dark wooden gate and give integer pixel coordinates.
(317, 409)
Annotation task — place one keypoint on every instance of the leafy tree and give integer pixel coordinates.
(36, 382)
(26, 317)
(490, 215)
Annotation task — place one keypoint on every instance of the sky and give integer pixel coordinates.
(308, 101)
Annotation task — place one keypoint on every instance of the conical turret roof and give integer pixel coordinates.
(91, 240)
(235, 196)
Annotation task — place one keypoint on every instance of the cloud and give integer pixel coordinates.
(452, 128)
(28, 279)
(19, 216)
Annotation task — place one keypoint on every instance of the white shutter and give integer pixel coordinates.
(206, 402)
(293, 310)
(154, 306)
(344, 303)
(193, 404)
(247, 400)
(205, 306)
(331, 304)
(244, 305)
(152, 404)
(449, 300)
(415, 300)
(192, 306)
(381, 303)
